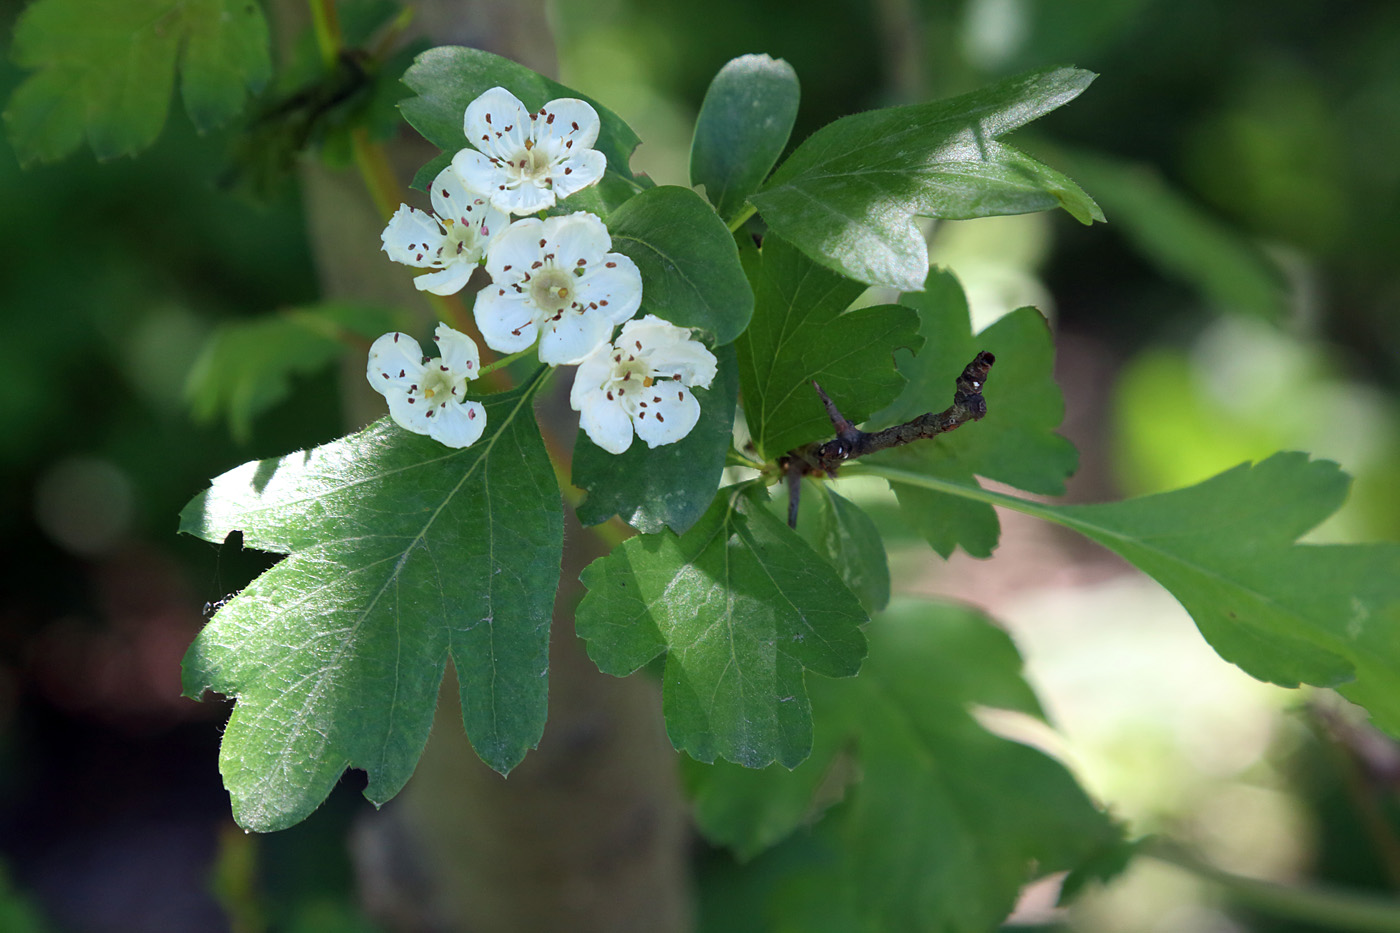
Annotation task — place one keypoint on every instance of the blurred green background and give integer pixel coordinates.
(1242, 299)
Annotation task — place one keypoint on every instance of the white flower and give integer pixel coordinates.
(452, 240)
(641, 382)
(528, 160)
(555, 279)
(428, 396)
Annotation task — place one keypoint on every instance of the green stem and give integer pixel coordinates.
(748, 211)
(1328, 907)
(935, 484)
(504, 361)
(325, 23)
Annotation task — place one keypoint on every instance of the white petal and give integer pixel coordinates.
(606, 424)
(497, 123)
(527, 198)
(395, 362)
(458, 351)
(613, 284)
(413, 237)
(457, 424)
(595, 370)
(478, 173)
(506, 322)
(578, 171)
(573, 337)
(453, 198)
(669, 414)
(514, 251)
(409, 412)
(568, 120)
(576, 236)
(670, 350)
(448, 281)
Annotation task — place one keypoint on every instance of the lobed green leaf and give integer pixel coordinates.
(1015, 443)
(801, 331)
(848, 195)
(1284, 612)
(690, 268)
(669, 486)
(741, 608)
(104, 70)
(402, 553)
(744, 123)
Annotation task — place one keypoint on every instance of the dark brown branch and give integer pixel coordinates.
(851, 442)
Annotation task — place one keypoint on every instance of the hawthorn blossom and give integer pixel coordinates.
(555, 279)
(525, 161)
(428, 396)
(452, 238)
(642, 383)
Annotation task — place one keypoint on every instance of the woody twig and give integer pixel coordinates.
(851, 442)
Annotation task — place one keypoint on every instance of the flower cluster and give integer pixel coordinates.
(555, 283)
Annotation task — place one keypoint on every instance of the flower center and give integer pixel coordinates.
(462, 241)
(531, 164)
(552, 290)
(437, 385)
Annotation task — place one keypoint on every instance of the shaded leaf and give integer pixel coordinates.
(801, 331)
(942, 822)
(690, 267)
(247, 366)
(401, 552)
(741, 608)
(841, 532)
(669, 486)
(848, 195)
(1015, 443)
(744, 124)
(104, 70)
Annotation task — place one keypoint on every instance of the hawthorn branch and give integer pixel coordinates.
(851, 442)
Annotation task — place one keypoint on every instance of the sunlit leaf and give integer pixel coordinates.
(1287, 613)
(848, 195)
(401, 553)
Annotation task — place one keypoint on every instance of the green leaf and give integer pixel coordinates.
(849, 194)
(1286, 613)
(104, 70)
(247, 366)
(448, 78)
(942, 822)
(401, 553)
(669, 486)
(741, 608)
(840, 531)
(743, 126)
(690, 268)
(1183, 240)
(1015, 443)
(799, 334)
